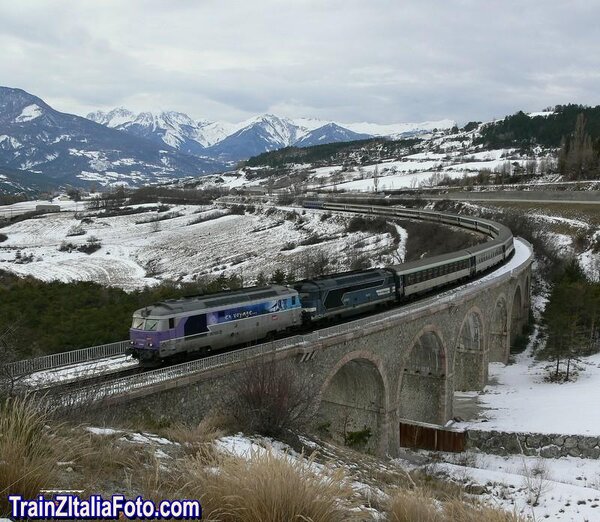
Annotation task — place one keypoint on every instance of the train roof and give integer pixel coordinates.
(431, 262)
(215, 301)
(344, 278)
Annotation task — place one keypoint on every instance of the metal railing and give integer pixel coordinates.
(122, 385)
(126, 385)
(56, 360)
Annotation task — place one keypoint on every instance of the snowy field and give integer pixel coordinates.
(415, 170)
(29, 206)
(565, 489)
(518, 398)
(135, 254)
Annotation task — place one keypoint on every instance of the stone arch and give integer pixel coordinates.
(470, 357)
(354, 397)
(422, 387)
(498, 338)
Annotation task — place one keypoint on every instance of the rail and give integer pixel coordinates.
(27, 366)
(126, 385)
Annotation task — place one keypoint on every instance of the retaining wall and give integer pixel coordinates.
(534, 444)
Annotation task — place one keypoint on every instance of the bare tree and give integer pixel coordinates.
(9, 378)
(270, 398)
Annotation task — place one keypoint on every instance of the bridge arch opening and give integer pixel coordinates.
(498, 337)
(422, 389)
(517, 318)
(352, 402)
(470, 361)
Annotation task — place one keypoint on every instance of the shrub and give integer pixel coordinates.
(290, 245)
(270, 399)
(76, 230)
(66, 247)
(27, 461)
(3, 237)
(238, 210)
(208, 217)
(313, 239)
(265, 488)
(90, 246)
(358, 439)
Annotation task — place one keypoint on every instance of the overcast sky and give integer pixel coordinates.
(383, 61)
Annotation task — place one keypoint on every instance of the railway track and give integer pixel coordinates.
(98, 385)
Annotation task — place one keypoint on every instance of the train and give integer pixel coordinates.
(199, 325)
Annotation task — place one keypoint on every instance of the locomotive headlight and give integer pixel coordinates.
(150, 345)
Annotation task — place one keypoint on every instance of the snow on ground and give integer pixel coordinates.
(31, 112)
(29, 206)
(103, 431)
(135, 252)
(554, 219)
(79, 371)
(392, 181)
(590, 264)
(414, 170)
(518, 399)
(565, 489)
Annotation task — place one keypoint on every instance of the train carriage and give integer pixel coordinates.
(417, 277)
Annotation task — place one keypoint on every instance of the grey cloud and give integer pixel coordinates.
(349, 60)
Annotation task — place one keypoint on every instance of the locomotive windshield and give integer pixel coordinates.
(151, 324)
(139, 323)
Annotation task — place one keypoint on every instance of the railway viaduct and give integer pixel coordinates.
(402, 364)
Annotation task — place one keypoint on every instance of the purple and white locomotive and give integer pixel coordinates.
(210, 322)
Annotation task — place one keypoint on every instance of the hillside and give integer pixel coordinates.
(69, 149)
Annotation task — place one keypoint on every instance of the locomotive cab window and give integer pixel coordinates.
(138, 323)
(171, 323)
(151, 325)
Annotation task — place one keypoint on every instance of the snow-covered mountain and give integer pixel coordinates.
(329, 133)
(236, 141)
(70, 149)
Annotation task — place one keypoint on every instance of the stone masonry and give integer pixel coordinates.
(534, 444)
(405, 364)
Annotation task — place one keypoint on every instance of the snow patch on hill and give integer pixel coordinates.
(31, 112)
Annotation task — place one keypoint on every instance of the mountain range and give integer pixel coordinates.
(120, 146)
(232, 142)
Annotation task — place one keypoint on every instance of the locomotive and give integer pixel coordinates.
(201, 324)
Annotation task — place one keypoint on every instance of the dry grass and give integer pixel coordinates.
(27, 454)
(413, 506)
(104, 460)
(195, 438)
(420, 506)
(267, 488)
(459, 511)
